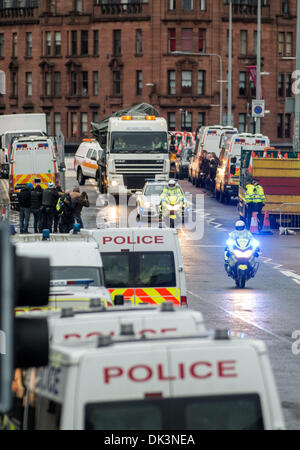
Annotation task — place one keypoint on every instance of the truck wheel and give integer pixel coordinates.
(222, 197)
(80, 177)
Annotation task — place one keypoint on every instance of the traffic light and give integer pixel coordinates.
(24, 341)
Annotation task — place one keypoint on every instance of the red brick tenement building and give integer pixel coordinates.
(80, 60)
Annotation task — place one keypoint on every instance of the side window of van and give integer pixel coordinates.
(89, 153)
(95, 155)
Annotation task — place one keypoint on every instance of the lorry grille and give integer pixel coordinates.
(136, 181)
(139, 166)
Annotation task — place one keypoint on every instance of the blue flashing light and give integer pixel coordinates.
(76, 228)
(46, 234)
(19, 146)
(81, 282)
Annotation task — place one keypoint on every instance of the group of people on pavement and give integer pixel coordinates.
(52, 208)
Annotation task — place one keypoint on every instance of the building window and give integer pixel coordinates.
(254, 42)
(84, 42)
(186, 121)
(138, 42)
(57, 124)
(73, 42)
(285, 41)
(57, 84)
(116, 82)
(288, 85)
(284, 7)
(96, 83)
(279, 125)
(287, 126)
(96, 43)
(201, 40)
(74, 124)
(171, 40)
(48, 43)
(47, 83)
(201, 119)
(243, 42)
(84, 83)
(201, 74)
(171, 82)
(202, 5)
(95, 117)
(57, 43)
(280, 87)
(15, 45)
(48, 124)
(28, 77)
(242, 84)
(172, 5)
(74, 83)
(242, 123)
(84, 124)
(1, 45)
(187, 39)
(139, 82)
(171, 121)
(78, 5)
(29, 45)
(117, 42)
(186, 82)
(252, 89)
(14, 81)
(187, 5)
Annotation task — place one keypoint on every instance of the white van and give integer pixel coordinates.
(85, 160)
(76, 269)
(155, 383)
(33, 160)
(143, 264)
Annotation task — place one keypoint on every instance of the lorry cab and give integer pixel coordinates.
(33, 160)
(76, 269)
(187, 382)
(228, 173)
(144, 265)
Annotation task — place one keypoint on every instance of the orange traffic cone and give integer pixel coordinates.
(285, 156)
(266, 229)
(254, 223)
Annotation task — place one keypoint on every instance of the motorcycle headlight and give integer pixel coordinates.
(240, 254)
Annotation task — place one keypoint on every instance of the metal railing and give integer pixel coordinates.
(289, 217)
(9, 212)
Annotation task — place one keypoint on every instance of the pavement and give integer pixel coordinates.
(267, 309)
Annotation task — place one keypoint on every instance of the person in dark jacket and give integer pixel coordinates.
(66, 217)
(49, 200)
(24, 198)
(78, 204)
(35, 206)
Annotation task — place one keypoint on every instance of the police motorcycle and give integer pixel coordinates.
(172, 209)
(241, 255)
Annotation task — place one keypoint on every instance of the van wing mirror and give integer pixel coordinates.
(232, 169)
(233, 159)
(62, 167)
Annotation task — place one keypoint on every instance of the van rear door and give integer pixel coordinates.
(45, 163)
(22, 165)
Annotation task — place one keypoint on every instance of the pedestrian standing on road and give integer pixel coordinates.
(66, 217)
(49, 200)
(35, 206)
(259, 202)
(24, 199)
(249, 199)
(78, 204)
(60, 191)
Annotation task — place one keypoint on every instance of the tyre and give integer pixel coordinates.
(172, 223)
(222, 197)
(80, 177)
(217, 194)
(242, 281)
(237, 283)
(180, 175)
(193, 181)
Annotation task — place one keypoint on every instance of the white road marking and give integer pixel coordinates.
(241, 318)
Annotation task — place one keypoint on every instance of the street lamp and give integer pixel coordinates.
(221, 74)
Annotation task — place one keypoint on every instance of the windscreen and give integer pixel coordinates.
(212, 142)
(187, 153)
(139, 142)
(154, 189)
(77, 272)
(139, 269)
(226, 412)
(10, 136)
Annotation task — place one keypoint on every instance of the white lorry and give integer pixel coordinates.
(16, 125)
(194, 382)
(136, 148)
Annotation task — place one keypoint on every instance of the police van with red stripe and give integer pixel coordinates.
(142, 264)
(196, 382)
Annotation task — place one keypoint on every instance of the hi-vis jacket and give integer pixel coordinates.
(254, 194)
(168, 192)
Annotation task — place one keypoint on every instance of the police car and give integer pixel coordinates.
(196, 382)
(76, 268)
(145, 265)
(148, 199)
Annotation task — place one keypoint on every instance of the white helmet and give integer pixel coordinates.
(240, 225)
(172, 184)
